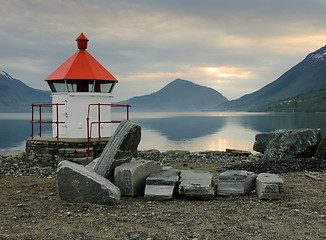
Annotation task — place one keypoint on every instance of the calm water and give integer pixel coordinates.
(188, 131)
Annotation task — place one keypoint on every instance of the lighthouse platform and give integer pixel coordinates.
(50, 151)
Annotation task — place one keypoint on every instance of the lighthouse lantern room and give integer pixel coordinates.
(81, 88)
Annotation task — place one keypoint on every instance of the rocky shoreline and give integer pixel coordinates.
(16, 163)
(32, 209)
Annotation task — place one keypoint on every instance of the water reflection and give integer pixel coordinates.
(189, 131)
(15, 129)
(183, 128)
(195, 134)
(218, 131)
(272, 121)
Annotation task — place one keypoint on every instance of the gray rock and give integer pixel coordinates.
(321, 150)
(283, 144)
(13, 154)
(130, 177)
(236, 182)
(237, 152)
(269, 186)
(262, 140)
(197, 185)
(77, 184)
(91, 165)
(169, 176)
(162, 186)
(159, 192)
(120, 149)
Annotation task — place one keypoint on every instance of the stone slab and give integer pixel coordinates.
(91, 165)
(77, 184)
(236, 182)
(131, 177)
(162, 186)
(159, 192)
(120, 149)
(165, 177)
(269, 186)
(196, 184)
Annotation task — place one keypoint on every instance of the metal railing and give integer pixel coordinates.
(40, 122)
(99, 122)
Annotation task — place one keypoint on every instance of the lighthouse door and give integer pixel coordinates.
(59, 115)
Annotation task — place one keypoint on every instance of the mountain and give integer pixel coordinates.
(306, 76)
(313, 101)
(15, 96)
(178, 95)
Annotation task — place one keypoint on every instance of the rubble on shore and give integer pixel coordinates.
(217, 161)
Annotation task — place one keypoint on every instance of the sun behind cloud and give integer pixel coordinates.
(228, 71)
(212, 69)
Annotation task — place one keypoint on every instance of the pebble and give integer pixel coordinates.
(18, 165)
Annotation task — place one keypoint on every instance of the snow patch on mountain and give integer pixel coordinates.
(319, 55)
(3, 73)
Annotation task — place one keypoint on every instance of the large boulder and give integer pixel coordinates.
(283, 144)
(120, 149)
(130, 177)
(262, 140)
(321, 150)
(77, 184)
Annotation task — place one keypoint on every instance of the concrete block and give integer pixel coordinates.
(77, 184)
(162, 186)
(130, 177)
(120, 149)
(269, 186)
(159, 192)
(236, 182)
(197, 185)
(91, 165)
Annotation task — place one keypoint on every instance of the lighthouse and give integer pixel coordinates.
(81, 96)
(81, 111)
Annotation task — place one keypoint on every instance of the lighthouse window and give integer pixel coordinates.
(106, 87)
(72, 87)
(57, 86)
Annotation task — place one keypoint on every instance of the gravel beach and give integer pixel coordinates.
(31, 208)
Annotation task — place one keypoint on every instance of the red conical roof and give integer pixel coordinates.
(81, 66)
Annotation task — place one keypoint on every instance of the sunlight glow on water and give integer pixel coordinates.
(196, 131)
(230, 136)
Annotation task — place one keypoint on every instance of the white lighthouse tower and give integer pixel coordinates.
(81, 96)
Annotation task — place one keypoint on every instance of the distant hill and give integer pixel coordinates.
(15, 96)
(308, 75)
(313, 101)
(178, 95)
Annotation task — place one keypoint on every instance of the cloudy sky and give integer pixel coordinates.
(233, 46)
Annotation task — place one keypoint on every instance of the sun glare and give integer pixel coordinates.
(211, 69)
(224, 75)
